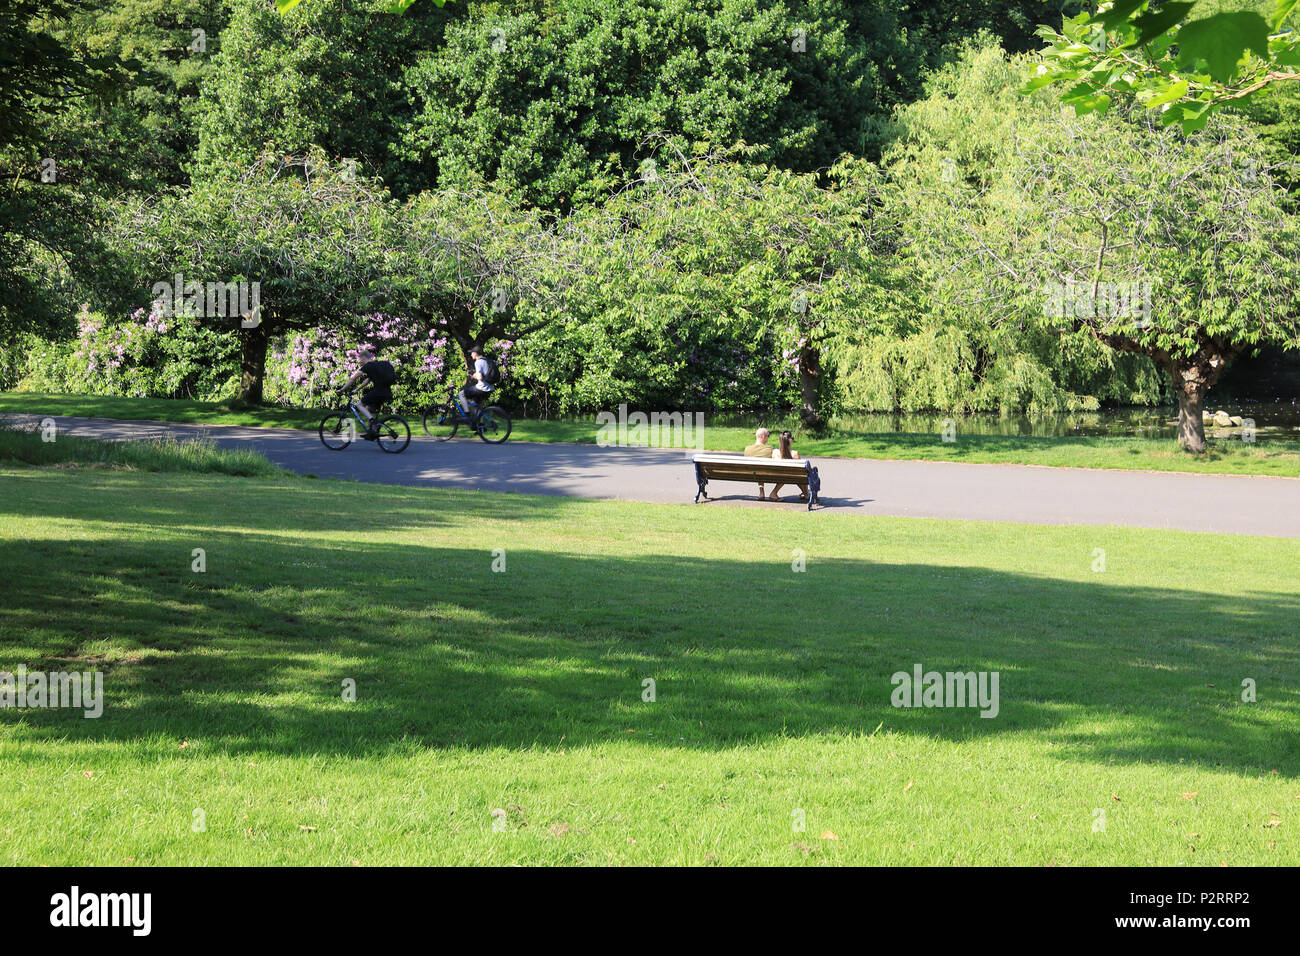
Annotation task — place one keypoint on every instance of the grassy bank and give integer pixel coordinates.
(1224, 456)
(502, 717)
(32, 446)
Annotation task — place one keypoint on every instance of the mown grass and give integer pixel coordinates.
(156, 409)
(522, 691)
(33, 446)
(1271, 456)
(1227, 456)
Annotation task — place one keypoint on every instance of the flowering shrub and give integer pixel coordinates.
(308, 369)
(144, 356)
(152, 356)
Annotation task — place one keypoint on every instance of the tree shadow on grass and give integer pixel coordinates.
(250, 657)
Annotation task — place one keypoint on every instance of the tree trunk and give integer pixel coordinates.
(460, 334)
(1193, 378)
(1191, 427)
(810, 374)
(252, 363)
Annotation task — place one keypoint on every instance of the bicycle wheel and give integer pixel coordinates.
(493, 425)
(337, 431)
(441, 422)
(392, 434)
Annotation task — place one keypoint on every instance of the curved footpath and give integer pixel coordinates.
(919, 489)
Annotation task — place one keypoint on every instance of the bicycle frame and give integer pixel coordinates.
(352, 407)
(391, 432)
(454, 398)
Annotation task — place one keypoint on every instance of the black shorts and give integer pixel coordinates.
(372, 398)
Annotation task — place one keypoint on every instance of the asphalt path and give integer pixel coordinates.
(1024, 494)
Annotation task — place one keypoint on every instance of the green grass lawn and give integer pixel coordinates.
(1225, 456)
(522, 691)
(25, 446)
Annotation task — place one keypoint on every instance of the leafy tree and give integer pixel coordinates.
(168, 46)
(1144, 239)
(1123, 205)
(708, 261)
(948, 346)
(326, 75)
(55, 179)
(1168, 57)
(471, 266)
(552, 98)
(309, 233)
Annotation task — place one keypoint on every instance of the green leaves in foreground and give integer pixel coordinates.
(1184, 68)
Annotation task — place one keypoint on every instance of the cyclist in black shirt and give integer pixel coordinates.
(381, 375)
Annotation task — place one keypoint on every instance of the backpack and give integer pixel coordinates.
(385, 375)
(493, 375)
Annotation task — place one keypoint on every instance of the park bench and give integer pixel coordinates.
(754, 470)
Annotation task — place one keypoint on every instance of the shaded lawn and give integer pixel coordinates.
(1224, 456)
(522, 691)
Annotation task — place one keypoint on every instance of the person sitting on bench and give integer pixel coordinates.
(787, 452)
(760, 449)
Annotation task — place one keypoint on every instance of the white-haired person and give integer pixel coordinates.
(760, 449)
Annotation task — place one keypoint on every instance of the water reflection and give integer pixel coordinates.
(1272, 420)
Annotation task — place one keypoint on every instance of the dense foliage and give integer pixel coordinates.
(729, 205)
(55, 178)
(1184, 61)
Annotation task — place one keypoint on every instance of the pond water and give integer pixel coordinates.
(1272, 420)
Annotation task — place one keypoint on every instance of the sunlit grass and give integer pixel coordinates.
(35, 446)
(522, 691)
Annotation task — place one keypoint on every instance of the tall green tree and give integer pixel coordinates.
(552, 98)
(311, 234)
(709, 260)
(1145, 239)
(168, 47)
(54, 177)
(324, 75)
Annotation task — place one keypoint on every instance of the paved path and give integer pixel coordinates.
(1016, 493)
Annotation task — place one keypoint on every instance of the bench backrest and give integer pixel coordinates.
(744, 467)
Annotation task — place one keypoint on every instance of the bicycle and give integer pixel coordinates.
(442, 421)
(338, 430)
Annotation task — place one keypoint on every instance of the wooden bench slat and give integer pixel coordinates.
(752, 459)
(791, 471)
